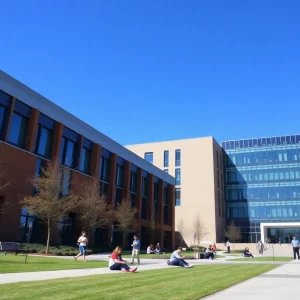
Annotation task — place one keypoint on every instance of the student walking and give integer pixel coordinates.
(295, 243)
(260, 247)
(82, 242)
(136, 246)
(228, 246)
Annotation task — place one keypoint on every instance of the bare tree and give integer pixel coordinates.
(94, 209)
(126, 218)
(199, 229)
(50, 201)
(233, 233)
(180, 229)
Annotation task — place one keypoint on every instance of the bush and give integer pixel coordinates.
(53, 250)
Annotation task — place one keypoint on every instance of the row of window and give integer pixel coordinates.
(262, 157)
(263, 212)
(262, 142)
(149, 157)
(262, 175)
(263, 193)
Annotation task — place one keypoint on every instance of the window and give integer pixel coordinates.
(133, 186)
(86, 155)
(217, 159)
(166, 205)
(218, 175)
(156, 198)
(166, 170)
(177, 177)
(69, 148)
(5, 102)
(104, 169)
(177, 158)
(166, 159)
(43, 144)
(19, 124)
(65, 181)
(119, 176)
(149, 157)
(144, 197)
(177, 197)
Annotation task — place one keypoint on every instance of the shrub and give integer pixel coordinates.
(61, 250)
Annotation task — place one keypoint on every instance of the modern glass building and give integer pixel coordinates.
(262, 185)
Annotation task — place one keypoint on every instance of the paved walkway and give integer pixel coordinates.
(280, 283)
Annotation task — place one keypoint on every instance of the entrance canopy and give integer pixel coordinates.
(285, 231)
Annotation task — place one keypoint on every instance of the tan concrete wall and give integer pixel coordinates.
(199, 190)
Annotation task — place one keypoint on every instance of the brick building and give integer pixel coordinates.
(33, 130)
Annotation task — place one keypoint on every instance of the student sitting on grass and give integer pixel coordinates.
(150, 249)
(117, 263)
(209, 253)
(177, 260)
(158, 249)
(247, 253)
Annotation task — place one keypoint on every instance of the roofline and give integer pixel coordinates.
(25, 94)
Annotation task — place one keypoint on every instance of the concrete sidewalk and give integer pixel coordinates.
(279, 283)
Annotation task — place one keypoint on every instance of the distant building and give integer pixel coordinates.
(262, 178)
(197, 165)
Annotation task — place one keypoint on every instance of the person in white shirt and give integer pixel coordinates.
(82, 242)
(228, 246)
(177, 260)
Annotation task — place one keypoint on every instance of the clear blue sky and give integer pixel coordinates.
(161, 70)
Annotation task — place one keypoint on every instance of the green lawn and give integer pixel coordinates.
(15, 263)
(164, 284)
(263, 258)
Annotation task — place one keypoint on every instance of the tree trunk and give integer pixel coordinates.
(124, 239)
(48, 238)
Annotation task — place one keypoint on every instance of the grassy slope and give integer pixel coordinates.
(14, 264)
(164, 284)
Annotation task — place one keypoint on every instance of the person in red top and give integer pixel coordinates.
(117, 263)
(215, 249)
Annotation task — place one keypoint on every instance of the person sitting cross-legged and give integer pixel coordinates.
(150, 249)
(117, 263)
(177, 260)
(209, 253)
(247, 253)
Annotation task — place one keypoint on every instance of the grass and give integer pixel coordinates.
(264, 258)
(15, 264)
(169, 284)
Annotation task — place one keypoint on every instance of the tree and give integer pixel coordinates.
(50, 201)
(199, 229)
(180, 229)
(94, 209)
(126, 218)
(233, 233)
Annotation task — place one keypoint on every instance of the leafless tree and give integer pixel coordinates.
(94, 209)
(126, 218)
(180, 226)
(50, 201)
(199, 229)
(233, 233)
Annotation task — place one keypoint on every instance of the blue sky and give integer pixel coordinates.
(160, 70)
